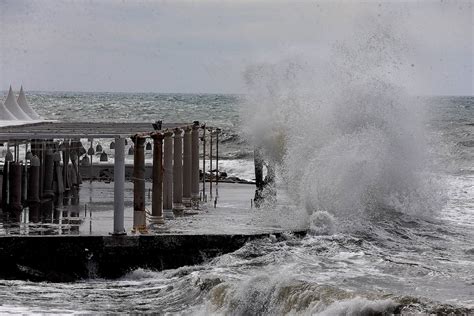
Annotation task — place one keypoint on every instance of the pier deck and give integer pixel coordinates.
(89, 232)
(83, 248)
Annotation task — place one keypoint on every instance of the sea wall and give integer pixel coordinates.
(69, 258)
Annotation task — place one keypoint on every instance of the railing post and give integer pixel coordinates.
(210, 163)
(204, 199)
(217, 161)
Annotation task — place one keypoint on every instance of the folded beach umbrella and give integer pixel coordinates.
(14, 108)
(26, 107)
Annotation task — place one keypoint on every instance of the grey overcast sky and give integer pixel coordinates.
(205, 46)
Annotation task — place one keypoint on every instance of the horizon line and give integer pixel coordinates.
(210, 93)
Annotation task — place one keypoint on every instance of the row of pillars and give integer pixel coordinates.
(53, 172)
(44, 181)
(176, 176)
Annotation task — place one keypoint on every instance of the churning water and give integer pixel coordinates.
(385, 256)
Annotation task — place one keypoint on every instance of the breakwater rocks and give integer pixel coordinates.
(105, 172)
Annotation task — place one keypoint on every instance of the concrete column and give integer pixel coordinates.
(168, 176)
(157, 197)
(139, 217)
(195, 164)
(119, 186)
(178, 206)
(187, 158)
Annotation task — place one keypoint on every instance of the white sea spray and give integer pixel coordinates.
(349, 139)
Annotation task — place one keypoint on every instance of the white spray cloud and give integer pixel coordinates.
(350, 139)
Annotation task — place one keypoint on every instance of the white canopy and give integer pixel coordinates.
(26, 107)
(5, 115)
(14, 108)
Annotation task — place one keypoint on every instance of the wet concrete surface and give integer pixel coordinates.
(93, 215)
(76, 242)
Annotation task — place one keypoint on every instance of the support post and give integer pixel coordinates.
(210, 163)
(204, 163)
(119, 186)
(139, 217)
(168, 175)
(178, 206)
(217, 161)
(195, 164)
(157, 199)
(187, 167)
(90, 168)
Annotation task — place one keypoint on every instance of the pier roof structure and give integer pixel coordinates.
(56, 129)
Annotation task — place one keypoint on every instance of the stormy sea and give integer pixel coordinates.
(386, 182)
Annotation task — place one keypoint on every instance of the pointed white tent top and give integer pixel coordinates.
(14, 108)
(25, 106)
(5, 115)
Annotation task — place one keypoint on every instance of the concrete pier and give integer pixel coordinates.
(79, 244)
(178, 206)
